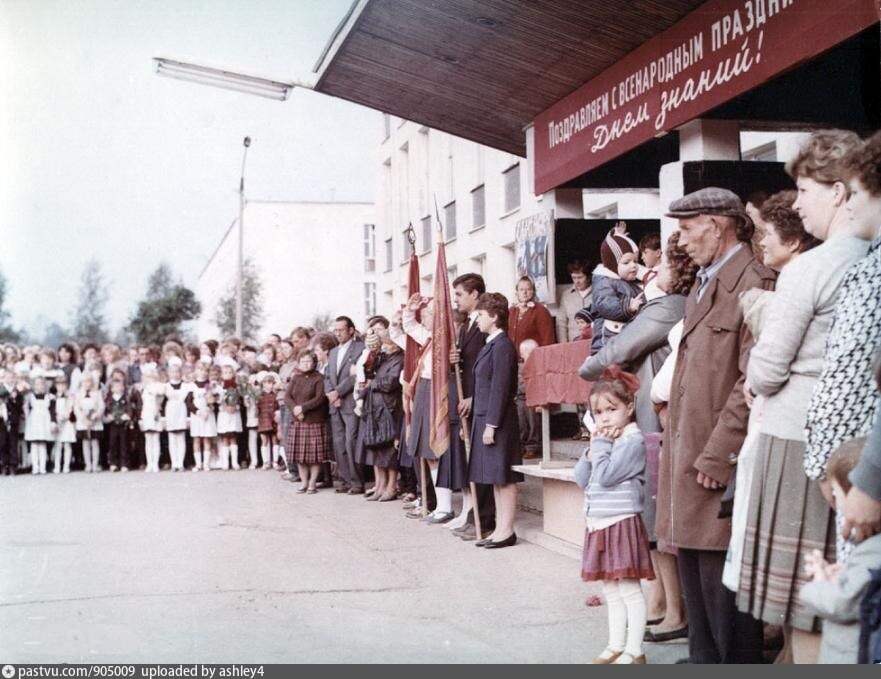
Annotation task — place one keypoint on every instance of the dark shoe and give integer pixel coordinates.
(482, 543)
(655, 621)
(507, 542)
(356, 491)
(439, 518)
(660, 637)
(467, 535)
(342, 489)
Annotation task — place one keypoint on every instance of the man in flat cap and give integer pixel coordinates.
(707, 421)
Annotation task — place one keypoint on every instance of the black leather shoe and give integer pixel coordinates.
(507, 542)
(482, 543)
(341, 489)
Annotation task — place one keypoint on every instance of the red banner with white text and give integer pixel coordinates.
(717, 52)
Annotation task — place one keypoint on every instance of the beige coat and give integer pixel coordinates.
(707, 410)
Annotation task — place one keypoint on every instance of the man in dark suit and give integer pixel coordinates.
(467, 289)
(339, 385)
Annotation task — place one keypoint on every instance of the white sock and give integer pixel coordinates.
(252, 447)
(634, 601)
(234, 455)
(87, 458)
(68, 450)
(444, 500)
(462, 519)
(223, 450)
(197, 456)
(44, 457)
(617, 616)
(35, 469)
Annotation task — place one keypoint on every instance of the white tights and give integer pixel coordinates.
(90, 454)
(38, 458)
(252, 447)
(177, 449)
(151, 450)
(58, 450)
(229, 453)
(627, 615)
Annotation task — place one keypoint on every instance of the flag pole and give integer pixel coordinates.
(463, 419)
(423, 467)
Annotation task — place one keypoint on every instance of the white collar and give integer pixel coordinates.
(495, 333)
(345, 345)
(472, 317)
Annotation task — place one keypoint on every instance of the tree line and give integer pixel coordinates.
(162, 313)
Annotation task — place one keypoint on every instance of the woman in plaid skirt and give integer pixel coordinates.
(308, 443)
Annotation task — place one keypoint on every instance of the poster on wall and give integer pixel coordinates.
(534, 247)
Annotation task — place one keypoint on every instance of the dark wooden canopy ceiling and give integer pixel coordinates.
(483, 70)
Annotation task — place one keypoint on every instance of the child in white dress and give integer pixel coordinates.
(66, 421)
(39, 428)
(89, 410)
(229, 419)
(203, 422)
(176, 420)
(152, 396)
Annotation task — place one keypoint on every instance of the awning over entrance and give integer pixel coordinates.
(483, 70)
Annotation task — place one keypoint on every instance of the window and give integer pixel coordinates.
(427, 235)
(478, 207)
(406, 249)
(369, 248)
(389, 255)
(450, 220)
(605, 212)
(765, 152)
(386, 126)
(370, 299)
(479, 264)
(452, 272)
(512, 187)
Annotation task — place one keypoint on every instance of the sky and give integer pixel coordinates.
(100, 157)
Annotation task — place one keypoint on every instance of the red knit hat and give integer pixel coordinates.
(614, 247)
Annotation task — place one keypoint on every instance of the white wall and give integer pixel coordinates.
(310, 257)
(417, 166)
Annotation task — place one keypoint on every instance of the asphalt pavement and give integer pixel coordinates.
(234, 567)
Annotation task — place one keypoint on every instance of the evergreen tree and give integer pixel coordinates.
(167, 305)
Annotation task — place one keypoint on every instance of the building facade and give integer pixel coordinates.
(313, 259)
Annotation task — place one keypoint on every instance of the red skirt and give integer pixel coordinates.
(308, 443)
(619, 552)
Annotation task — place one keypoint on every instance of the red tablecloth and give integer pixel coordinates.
(551, 374)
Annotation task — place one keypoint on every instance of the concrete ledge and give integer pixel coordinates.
(566, 473)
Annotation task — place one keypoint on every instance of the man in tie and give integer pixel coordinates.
(339, 385)
(467, 289)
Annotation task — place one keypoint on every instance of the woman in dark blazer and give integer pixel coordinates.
(495, 432)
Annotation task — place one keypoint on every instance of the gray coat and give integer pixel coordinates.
(838, 603)
(641, 348)
(337, 375)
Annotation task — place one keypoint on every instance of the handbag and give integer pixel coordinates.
(380, 429)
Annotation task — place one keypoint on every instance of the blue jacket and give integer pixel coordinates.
(614, 479)
(611, 302)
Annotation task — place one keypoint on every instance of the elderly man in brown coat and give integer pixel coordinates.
(707, 421)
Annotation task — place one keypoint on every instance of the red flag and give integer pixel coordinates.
(442, 334)
(412, 351)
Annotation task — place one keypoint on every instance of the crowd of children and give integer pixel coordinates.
(176, 407)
